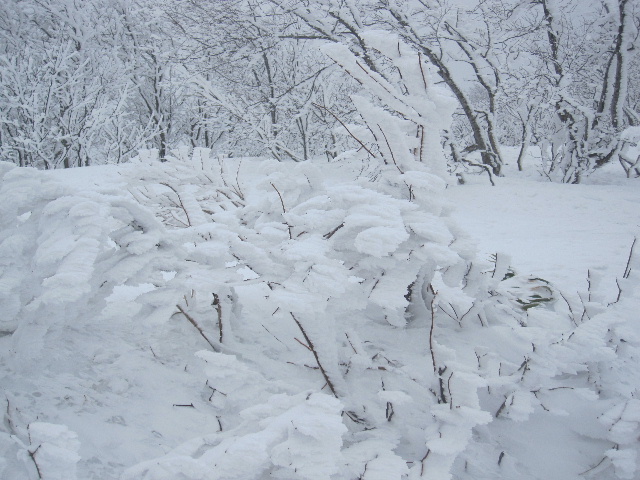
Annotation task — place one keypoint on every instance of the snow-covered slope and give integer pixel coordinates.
(247, 320)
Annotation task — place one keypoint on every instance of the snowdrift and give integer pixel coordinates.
(242, 319)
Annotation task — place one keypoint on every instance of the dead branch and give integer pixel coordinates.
(424, 79)
(486, 168)
(9, 420)
(236, 187)
(180, 200)
(301, 343)
(269, 332)
(284, 210)
(619, 293)
(344, 126)
(627, 270)
(315, 354)
(571, 314)
(33, 457)
(422, 462)
(389, 412)
(433, 321)
(390, 149)
(594, 467)
(332, 232)
(502, 407)
(32, 454)
(216, 303)
(195, 324)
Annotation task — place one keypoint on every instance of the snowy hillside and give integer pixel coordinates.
(252, 319)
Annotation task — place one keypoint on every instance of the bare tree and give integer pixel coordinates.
(588, 51)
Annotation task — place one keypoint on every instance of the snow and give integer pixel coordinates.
(557, 232)
(104, 376)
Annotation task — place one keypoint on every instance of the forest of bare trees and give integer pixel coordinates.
(93, 82)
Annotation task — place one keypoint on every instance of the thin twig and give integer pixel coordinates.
(33, 457)
(284, 210)
(424, 80)
(269, 332)
(216, 303)
(332, 232)
(421, 143)
(433, 321)
(571, 314)
(594, 467)
(33, 454)
(349, 340)
(504, 404)
(422, 462)
(619, 293)
(390, 149)
(236, 187)
(315, 354)
(484, 167)
(180, 199)
(301, 343)
(627, 270)
(195, 324)
(389, 412)
(10, 423)
(345, 127)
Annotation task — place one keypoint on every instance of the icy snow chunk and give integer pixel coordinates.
(166, 276)
(631, 134)
(376, 457)
(623, 421)
(55, 247)
(128, 293)
(624, 461)
(442, 255)
(390, 290)
(288, 437)
(434, 230)
(55, 450)
(451, 297)
(394, 396)
(521, 406)
(273, 231)
(24, 217)
(247, 274)
(295, 299)
(230, 376)
(328, 279)
(73, 278)
(386, 466)
(424, 180)
(380, 241)
(309, 249)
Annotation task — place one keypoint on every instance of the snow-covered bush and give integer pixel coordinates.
(353, 334)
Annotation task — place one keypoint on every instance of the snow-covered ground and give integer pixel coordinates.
(555, 231)
(105, 394)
